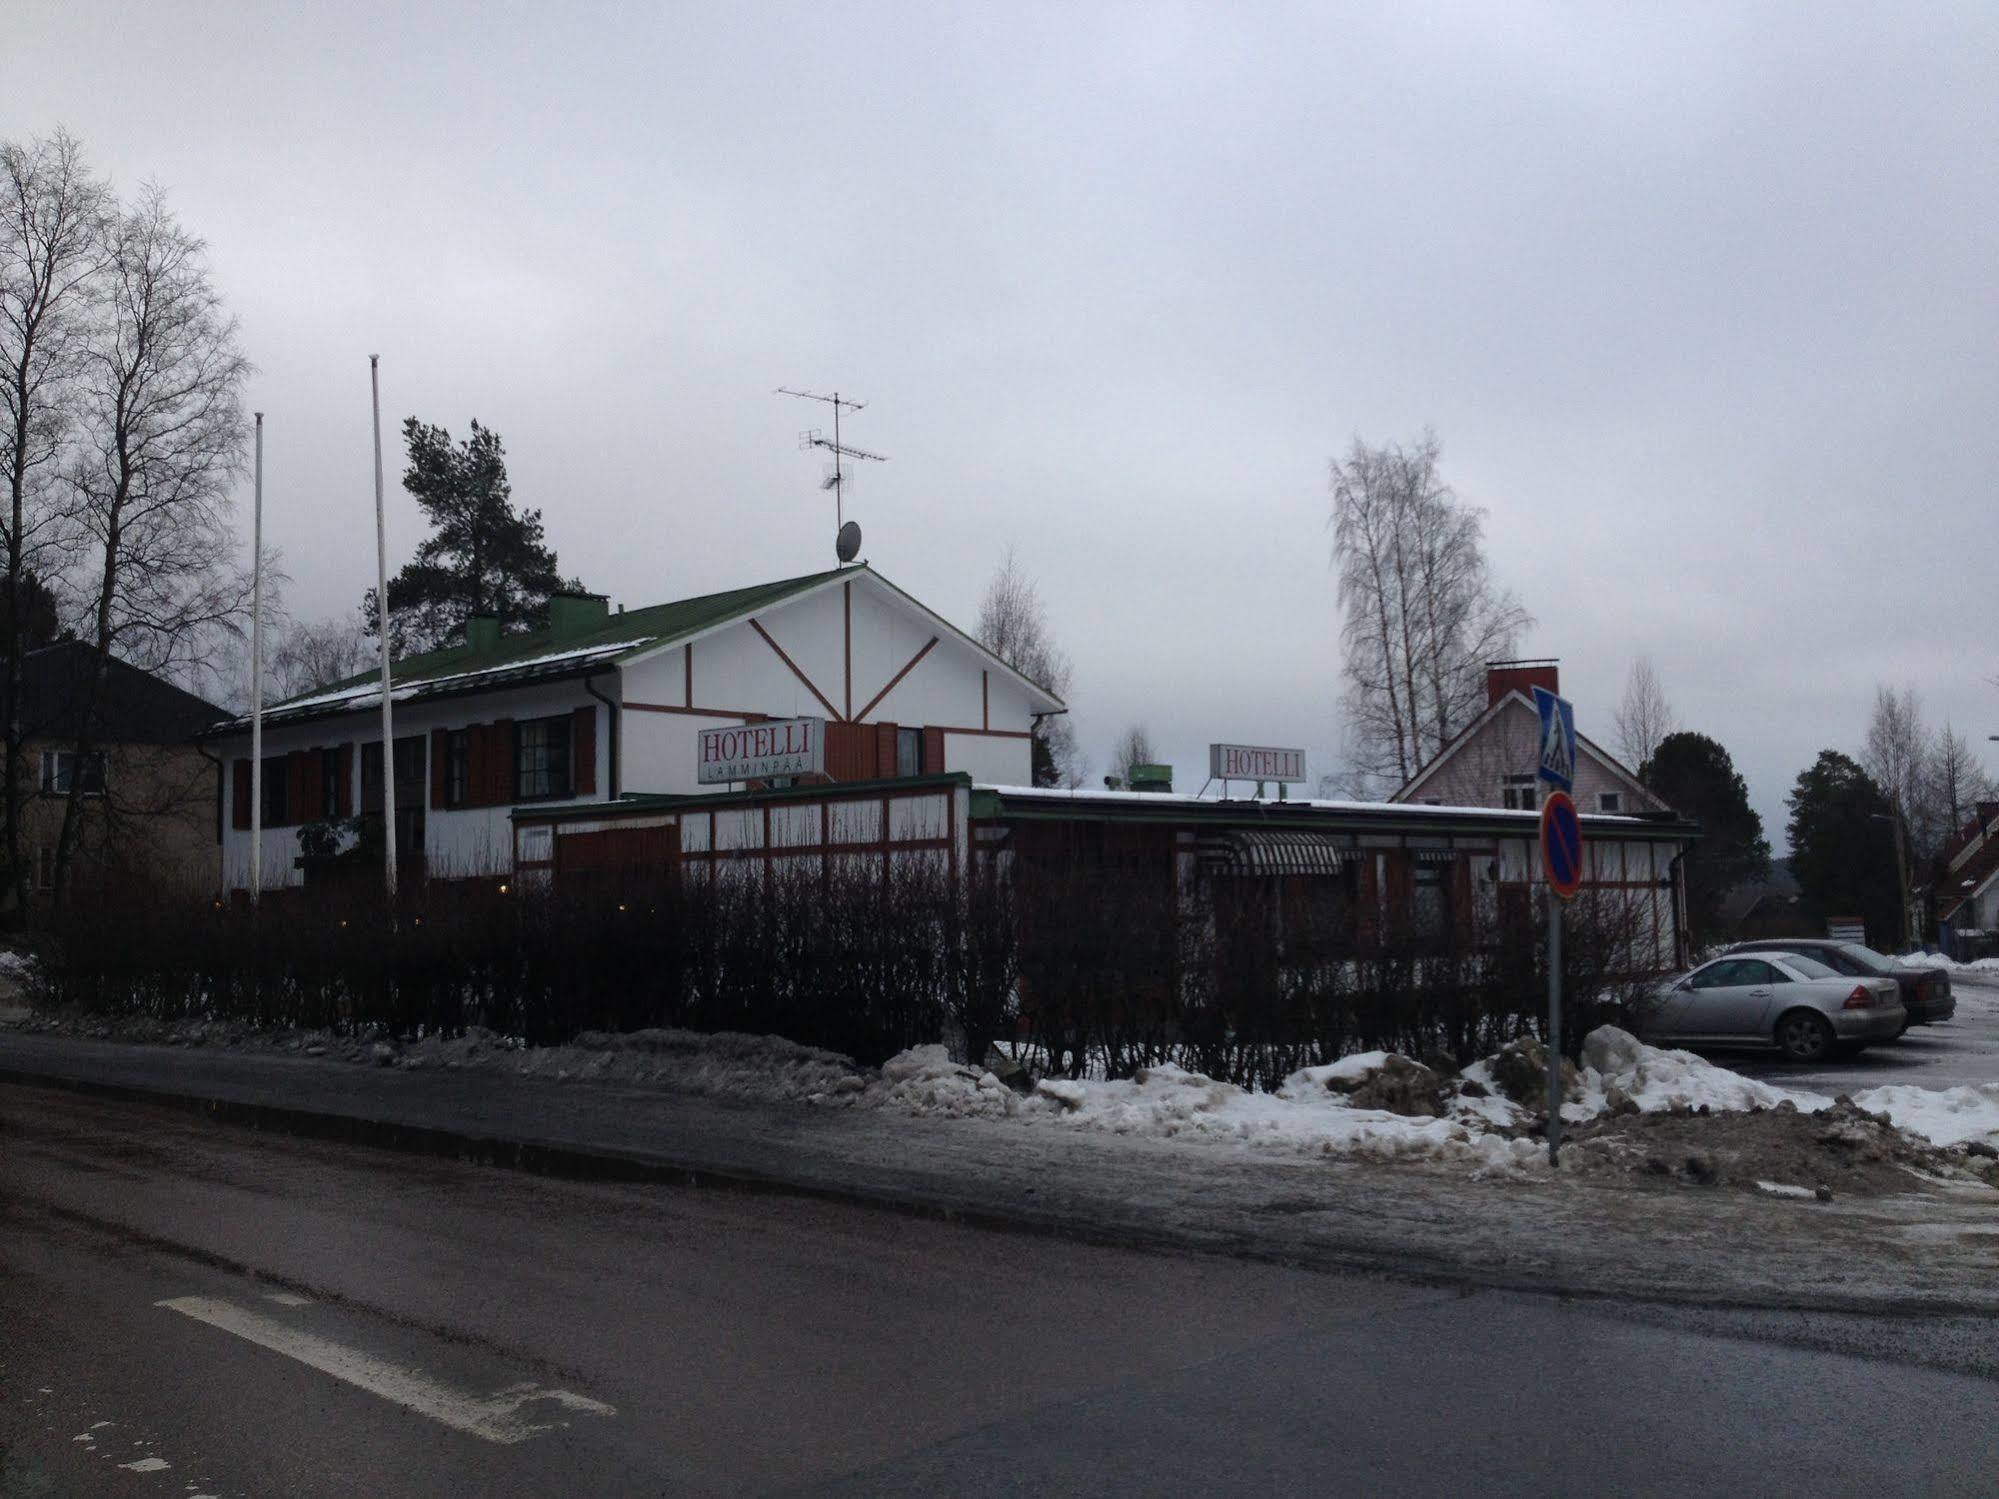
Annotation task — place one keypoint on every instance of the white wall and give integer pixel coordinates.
(988, 761)
(465, 842)
(737, 673)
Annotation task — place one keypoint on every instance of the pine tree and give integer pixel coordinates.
(1842, 847)
(482, 556)
(1694, 775)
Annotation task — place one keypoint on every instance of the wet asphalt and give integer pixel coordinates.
(622, 1339)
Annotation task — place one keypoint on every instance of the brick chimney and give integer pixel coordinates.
(1502, 677)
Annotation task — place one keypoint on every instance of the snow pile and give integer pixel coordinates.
(1938, 960)
(1304, 1116)
(1617, 1065)
(16, 965)
(924, 1080)
(1943, 1116)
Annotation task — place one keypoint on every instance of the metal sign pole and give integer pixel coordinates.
(1554, 1028)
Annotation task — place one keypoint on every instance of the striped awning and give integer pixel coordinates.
(1275, 852)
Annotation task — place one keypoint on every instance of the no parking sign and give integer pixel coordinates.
(1561, 844)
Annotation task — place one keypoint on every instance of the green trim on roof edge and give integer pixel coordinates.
(649, 627)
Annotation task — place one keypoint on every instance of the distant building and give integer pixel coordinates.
(602, 706)
(1967, 892)
(149, 792)
(1490, 763)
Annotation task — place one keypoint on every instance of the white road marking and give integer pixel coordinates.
(95, 1425)
(495, 1418)
(286, 1298)
(147, 1465)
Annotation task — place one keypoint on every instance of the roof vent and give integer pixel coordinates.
(1153, 778)
(482, 632)
(575, 614)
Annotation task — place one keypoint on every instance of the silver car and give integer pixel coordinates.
(1780, 999)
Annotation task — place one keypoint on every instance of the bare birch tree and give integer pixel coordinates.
(1013, 625)
(1897, 746)
(163, 440)
(52, 247)
(1956, 783)
(1421, 615)
(310, 654)
(1134, 747)
(1643, 717)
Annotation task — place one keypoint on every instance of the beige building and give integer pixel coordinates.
(1491, 762)
(150, 795)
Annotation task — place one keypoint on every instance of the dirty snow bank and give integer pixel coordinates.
(1314, 1111)
(722, 1064)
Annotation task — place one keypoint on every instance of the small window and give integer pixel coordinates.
(458, 768)
(909, 752)
(541, 758)
(59, 771)
(1516, 793)
(1610, 801)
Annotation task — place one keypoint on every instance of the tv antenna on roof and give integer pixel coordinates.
(837, 480)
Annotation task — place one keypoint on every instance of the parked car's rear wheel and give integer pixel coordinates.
(1804, 1036)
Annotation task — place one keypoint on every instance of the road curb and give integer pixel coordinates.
(571, 1162)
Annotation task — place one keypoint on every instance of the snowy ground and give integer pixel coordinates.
(1370, 1107)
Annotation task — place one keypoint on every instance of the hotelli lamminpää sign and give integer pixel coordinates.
(1251, 762)
(763, 751)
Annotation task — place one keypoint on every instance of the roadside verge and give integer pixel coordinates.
(1930, 1249)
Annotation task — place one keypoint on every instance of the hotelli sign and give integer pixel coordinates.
(763, 751)
(1250, 762)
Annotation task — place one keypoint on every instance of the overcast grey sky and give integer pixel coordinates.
(1701, 301)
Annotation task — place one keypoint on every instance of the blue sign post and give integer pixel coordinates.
(1562, 867)
(1558, 739)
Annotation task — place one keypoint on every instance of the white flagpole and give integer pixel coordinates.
(257, 677)
(382, 625)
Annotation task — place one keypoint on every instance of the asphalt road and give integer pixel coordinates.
(1962, 1050)
(188, 1308)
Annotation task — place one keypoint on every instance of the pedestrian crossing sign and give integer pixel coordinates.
(1558, 739)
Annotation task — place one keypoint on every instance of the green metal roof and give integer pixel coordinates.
(540, 653)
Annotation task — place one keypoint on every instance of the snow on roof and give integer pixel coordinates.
(372, 691)
(1312, 804)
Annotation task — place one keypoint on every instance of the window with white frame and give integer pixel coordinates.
(1610, 801)
(1516, 793)
(59, 772)
(541, 758)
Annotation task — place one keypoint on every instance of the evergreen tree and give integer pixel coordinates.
(1842, 851)
(39, 622)
(482, 556)
(1694, 776)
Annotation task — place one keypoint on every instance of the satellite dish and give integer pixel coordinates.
(848, 545)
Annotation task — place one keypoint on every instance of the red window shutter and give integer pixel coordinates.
(583, 752)
(885, 749)
(503, 762)
(850, 751)
(933, 751)
(239, 795)
(440, 759)
(1369, 900)
(344, 769)
(296, 777)
(479, 772)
